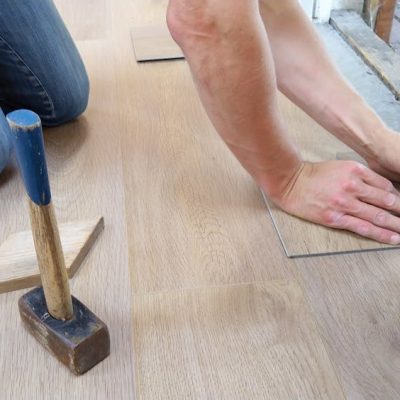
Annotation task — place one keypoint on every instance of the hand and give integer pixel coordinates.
(345, 195)
(386, 160)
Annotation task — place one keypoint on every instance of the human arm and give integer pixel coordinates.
(229, 53)
(307, 75)
(235, 77)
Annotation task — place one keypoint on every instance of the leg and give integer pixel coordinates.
(5, 142)
(40, 68)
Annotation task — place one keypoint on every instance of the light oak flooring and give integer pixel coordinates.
(189, 273)
(152, 43)
(302, 238)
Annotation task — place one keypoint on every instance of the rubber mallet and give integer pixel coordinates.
(60, 322)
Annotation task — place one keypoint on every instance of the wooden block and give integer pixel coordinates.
(154, 43)
(18, 263)
(375, 52)
(250, 341)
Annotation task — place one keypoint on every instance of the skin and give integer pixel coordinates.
(240, 54)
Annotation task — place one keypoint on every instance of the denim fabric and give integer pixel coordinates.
(40, 67)
(5, 141)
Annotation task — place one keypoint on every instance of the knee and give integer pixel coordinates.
(69, 100)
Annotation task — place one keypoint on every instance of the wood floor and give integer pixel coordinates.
(189, 273)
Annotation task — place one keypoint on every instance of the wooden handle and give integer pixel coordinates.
(51, 262)
(29, 147)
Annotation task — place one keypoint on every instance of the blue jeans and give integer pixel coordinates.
(40, 67)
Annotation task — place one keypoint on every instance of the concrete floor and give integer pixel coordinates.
(361, 77)
(395, 37)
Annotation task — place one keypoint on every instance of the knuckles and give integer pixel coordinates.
(331, 218)
(338, 201)
(356, 168)
(350, 186)
(380, 218)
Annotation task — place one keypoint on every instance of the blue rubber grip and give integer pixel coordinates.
(27, 137)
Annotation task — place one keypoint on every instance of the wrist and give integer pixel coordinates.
(276, 182)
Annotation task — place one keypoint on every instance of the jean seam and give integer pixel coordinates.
(32, 73)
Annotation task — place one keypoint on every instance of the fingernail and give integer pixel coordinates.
(390, 199)
(395, 239)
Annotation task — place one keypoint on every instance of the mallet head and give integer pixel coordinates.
(80, 343)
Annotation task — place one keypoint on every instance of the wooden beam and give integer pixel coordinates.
(379, 15)
(384, 19)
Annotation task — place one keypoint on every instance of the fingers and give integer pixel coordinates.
(373, 179)
(368, 230)
(380, 198)
(377, 217)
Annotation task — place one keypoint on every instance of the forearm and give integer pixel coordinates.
(234, 73)
(308, 77)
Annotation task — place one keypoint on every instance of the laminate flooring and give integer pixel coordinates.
(277, 353)
(189, 273)
(154, 43)
(302, 238)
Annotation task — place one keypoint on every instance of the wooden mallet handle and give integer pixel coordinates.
(29, 147)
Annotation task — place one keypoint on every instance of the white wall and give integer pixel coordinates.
(308, 6)
(323, 8)
(348, 5)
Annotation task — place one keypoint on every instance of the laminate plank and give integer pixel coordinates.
(254, 341)
(356, 303)
(302, 238)
(195, 216)
(154, 44)
(86, 20)
(84, 159)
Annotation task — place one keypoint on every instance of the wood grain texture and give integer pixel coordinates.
(384, 19)
(190, 218)
(50, 256)
(18, 263)
(355, 298)
(195, 217)
(154, 44)
(375, 52)
(86, 20)
(84, 159)
(254, 341)
(302, 238)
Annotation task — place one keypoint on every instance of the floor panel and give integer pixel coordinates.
(253, 341)
(84, 160)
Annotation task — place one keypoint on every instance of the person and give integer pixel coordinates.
(240, 53)
(40, 67)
